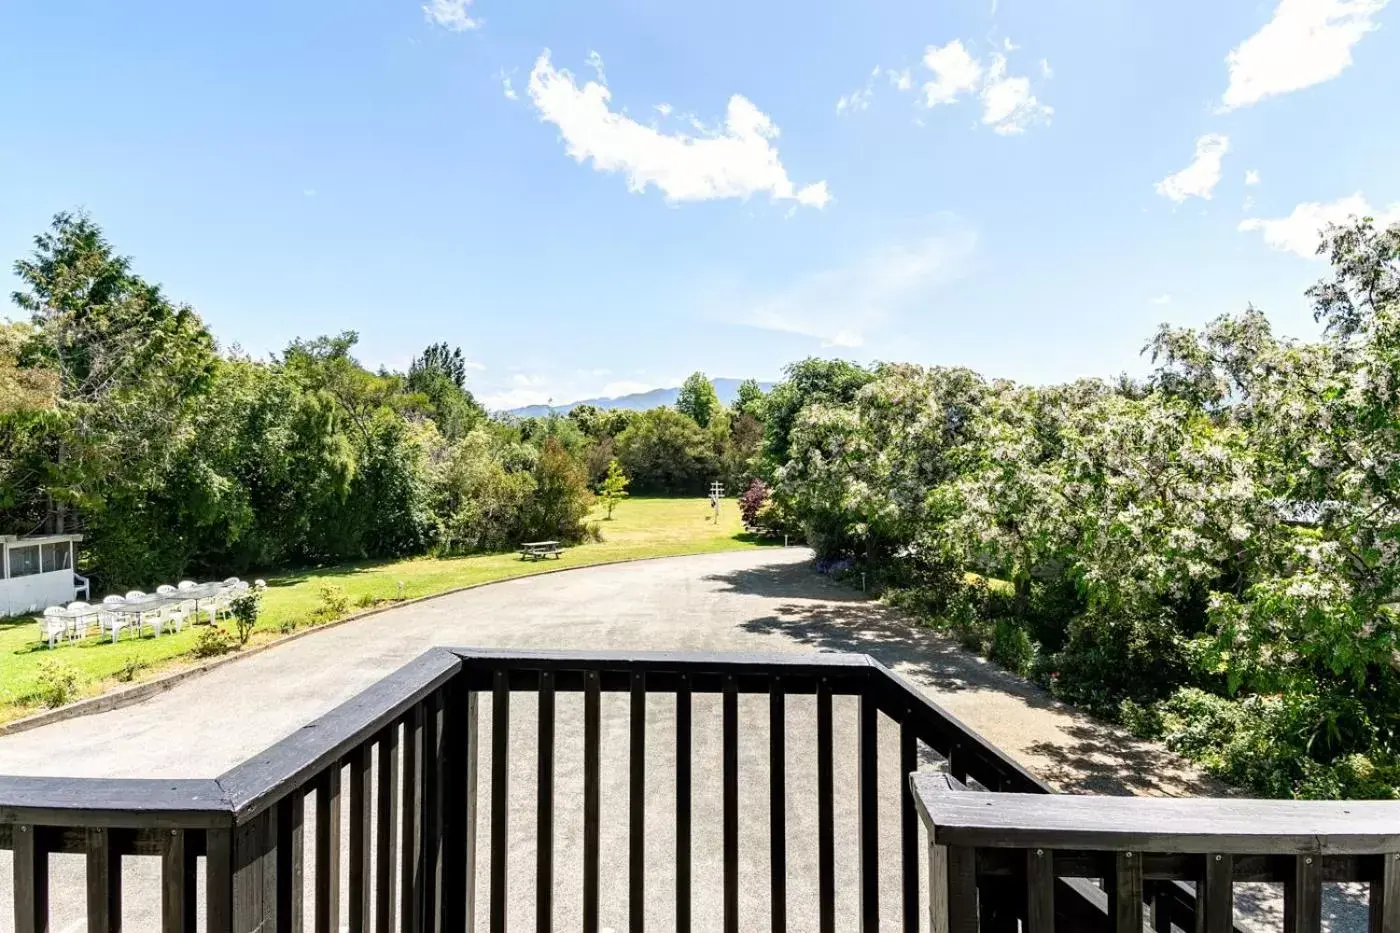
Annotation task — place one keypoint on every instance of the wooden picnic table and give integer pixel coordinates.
(539, 550)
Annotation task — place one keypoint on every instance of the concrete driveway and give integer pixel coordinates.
(745, 601)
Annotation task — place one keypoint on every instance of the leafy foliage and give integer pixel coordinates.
(698, 400)
(1209, 556)
(613, 489)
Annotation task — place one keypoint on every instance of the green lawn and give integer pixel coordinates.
(640, 527)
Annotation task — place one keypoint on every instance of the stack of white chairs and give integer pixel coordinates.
(53, 625)
(109, 621)
(139, 620)
(173, 614)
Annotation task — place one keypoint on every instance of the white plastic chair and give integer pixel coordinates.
(165, 589)
(259, 584)
(231, 581)
(108, 620)
(141, 621)
(53, 625)
(187, 585)
(82, 619)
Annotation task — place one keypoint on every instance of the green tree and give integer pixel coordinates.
(666, 452)
(749, 399)
(614, 487)
(697, 399)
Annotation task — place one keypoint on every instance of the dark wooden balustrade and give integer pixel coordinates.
(996, 859)
(387, 813)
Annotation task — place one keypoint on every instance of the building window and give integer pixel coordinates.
(58, 556)
(24, 561)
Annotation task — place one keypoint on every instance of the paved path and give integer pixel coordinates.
(746, 601)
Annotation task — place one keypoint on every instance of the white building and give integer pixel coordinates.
(38, 572)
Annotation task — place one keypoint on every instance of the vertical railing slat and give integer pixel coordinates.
(544, 811)
(961, 890)
(453, 810)
(31, 881)
(469, 849)
(291, 818)
(361, 864)
(591, 710)
(434, 820)
(826, 802)
(218, 880)
(326, 886)
(174, 895)
(1125, 893)
(1216, 901)
(683, 787)
(636, 807)
(1161, 913)
(254, 892)
(411, 811)
(1302, 897)
(104, 882)
(868, 790)
(386, 829)
(1385, 896)
(500, 798)
(1040, 891)
(908, 824)
(731, 804)
(777, 804)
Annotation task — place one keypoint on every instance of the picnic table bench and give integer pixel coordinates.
(539, 550)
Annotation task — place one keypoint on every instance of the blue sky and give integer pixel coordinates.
(599, 197)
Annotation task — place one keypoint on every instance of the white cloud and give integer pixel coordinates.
(736, 161)
(1045, 70)
(1008, 45)
(451, 14)
(859, 99)
(1008, 106)
(663, 109)
(508, 87)
(1162, 300)
(474, 365)
(841, 306)
(1300, 232)
(902, 80)
(1251, 177)
(955, 73)
(1199, 178)
(1307, 42)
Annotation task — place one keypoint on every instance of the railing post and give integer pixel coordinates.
(104, 882)
(31, 877)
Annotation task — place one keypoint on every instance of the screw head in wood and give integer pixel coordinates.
(1039, 851)
(1127, 855)
(1308, 860)
(1217, 858)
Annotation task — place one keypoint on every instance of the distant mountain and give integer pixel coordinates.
(726, 389)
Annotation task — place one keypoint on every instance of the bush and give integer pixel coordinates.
(56, 683)
(332, 603)
(130, 668)
(212, 642)
(245, 608)
(751, 503)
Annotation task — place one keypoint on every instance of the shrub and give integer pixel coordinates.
(212, 642)
(245, 608)
(366, 601)
(57, 682)
(130, 668)
(1012, 647)
(751, 503)
(332, 603)
(593, 531)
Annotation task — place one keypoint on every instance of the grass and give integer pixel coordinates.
(641, 527)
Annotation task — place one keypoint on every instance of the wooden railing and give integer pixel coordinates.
(996, 860)
(406, 759)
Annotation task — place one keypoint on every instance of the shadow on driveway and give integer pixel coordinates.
(1079, 755)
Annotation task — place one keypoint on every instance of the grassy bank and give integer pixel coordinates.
(640, 528)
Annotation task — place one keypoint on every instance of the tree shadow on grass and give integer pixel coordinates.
(824, 615)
